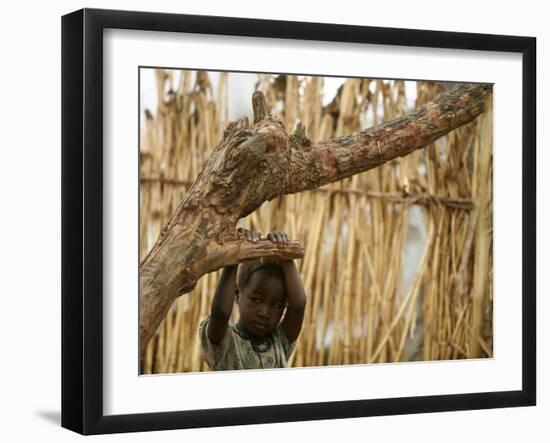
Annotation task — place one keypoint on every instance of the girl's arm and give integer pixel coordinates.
(294, 316)
(222, 305)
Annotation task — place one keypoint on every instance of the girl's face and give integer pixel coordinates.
(261, 303)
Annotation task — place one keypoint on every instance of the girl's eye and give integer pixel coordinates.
(278, 305)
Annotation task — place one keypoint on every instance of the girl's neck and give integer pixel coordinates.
(254, 339)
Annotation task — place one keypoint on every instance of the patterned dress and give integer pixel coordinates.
(236, 351)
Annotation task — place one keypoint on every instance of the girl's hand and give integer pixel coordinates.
(249, 234)
(279, 237)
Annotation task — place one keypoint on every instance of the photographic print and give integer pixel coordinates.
(291, 221)
(250, 204)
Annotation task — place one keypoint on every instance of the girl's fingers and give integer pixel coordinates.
(252, 235)
(279, 237)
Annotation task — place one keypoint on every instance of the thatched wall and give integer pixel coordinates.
(398, 262)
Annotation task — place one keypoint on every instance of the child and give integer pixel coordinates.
(262, 289)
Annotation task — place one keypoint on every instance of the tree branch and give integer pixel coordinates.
(254, 164)
(332, 160)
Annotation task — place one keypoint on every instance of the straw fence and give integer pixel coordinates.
(398, 261)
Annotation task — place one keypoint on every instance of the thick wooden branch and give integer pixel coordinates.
(333, 160)
(254, 164)
(188, 254)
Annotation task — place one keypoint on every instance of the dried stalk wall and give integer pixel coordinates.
(398, 262)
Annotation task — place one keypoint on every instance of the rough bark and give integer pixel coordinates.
(256, 163)
(332, 160)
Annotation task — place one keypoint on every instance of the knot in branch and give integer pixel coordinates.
(259, 105)
(298, 139)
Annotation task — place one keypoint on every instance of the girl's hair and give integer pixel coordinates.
(247, 268)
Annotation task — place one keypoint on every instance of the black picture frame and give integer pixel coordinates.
(82, 220)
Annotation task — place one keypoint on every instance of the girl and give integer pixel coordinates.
(263, 291)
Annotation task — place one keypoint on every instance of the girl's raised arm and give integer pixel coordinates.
(294, 316)
(222, 304)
